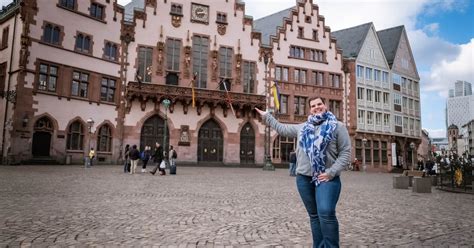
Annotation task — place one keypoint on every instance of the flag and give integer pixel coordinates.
(228, 96)
(276, 95)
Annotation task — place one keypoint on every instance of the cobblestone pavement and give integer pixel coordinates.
(215, 207)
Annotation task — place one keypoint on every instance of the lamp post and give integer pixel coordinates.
(268, 162)
(166, 103)
(412, 146)
(364, 166)
(90, 124)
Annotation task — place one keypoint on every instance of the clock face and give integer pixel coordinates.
(200, 13)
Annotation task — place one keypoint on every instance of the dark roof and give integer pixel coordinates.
(350, 40)
(389, 39)
(452, 126)
(268, 25)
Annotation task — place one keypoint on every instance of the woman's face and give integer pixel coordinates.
(317, 106)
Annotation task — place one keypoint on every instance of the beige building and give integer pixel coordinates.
(107, 82)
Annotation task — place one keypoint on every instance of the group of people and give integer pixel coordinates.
(132, 156)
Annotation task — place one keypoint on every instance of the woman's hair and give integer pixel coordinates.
(314, 98)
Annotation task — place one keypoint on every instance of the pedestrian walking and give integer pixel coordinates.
(126, 165)
(134, 156)
(292, 163)
(173, 157)
(91, 156)
(323, 152)
(157, 159)
(145, 157)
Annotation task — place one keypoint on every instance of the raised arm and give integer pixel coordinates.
(287, 130)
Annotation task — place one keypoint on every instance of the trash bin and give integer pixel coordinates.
(87, 162)
(68, 159)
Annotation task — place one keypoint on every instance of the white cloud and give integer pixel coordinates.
(431, 28)
(437, 133)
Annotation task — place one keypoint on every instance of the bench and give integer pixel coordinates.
(421, 185)
(410, 174)
(400, 182)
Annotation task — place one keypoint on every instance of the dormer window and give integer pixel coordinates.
(221, 18)
(176, 9)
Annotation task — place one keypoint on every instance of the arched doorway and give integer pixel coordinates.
(41, 144)
(152, 131)
(210, 142)
(247, 145)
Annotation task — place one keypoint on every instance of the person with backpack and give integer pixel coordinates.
(173, 157)
(134, 155)
(145, 157)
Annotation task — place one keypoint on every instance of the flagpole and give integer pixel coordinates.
(267, 159)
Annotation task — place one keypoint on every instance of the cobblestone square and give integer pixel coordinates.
(215, 207)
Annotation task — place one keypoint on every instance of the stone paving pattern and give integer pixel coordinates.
(60, 206)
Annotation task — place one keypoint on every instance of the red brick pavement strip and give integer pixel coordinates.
(215, 207)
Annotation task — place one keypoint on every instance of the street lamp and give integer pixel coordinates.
(364, 166)
(268, 162)
(166, 104)
(90, 124)
(412, 146)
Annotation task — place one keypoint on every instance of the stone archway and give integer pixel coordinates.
(152, 131)
(247, 145)
(210, 142)
(41, 144)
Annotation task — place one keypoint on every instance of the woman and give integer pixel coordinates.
(323, 152)
(157, 158)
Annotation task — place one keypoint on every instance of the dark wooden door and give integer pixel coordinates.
(153, 131)
(41, 143)
(210, 144)
(247, 145)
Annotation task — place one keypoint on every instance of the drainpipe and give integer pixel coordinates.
(8, 89)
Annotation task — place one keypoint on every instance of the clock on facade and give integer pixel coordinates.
(199, 13)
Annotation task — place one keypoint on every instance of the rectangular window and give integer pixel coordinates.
(97, 11)
(376, 148)
(297, 52)
(3, 77)
(368, 151)
(385, 77)
(51, 34)
(368, 73)
(378, 119)
(358, 145)
(285, 74)
(249, 77)
(377, 75)
(83, 43)
(315, 34)
(404, 83)
(398, 120)
(200, 56)
(335, 80)
(335, 108)
(361, 116)
(320, 79)
(4, 38)
(370, 118)
(173, 52)
(405, 123)
(300, 32)
(300, 76)
(386, 98)
(396, 79)
(278, 72)
(70, 4)
(225, 62)
(145, 56)
(300, 105)
(107, 90)
(80, 84)
(221, 17)
(369, 95)
(360, 93)
(378, 96)
(176, 9)
(386, 120)
(404, 102)
(397, 99)
(360, 71)
(284, 104)
(111, 51)
(384, 156)
(48, 77)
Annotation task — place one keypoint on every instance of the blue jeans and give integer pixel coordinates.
(320, 202)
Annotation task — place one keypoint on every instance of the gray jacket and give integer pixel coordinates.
(338, 153)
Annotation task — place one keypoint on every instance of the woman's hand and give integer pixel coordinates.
(323, 177)
(259, 111)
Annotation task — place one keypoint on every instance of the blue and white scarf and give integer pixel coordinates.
(315, 144)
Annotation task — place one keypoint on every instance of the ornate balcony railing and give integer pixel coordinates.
(146, 91)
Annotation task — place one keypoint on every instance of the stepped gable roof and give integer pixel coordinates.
(268, 25)
(350, 40)
(389, 39)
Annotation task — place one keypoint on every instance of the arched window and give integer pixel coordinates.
(104, 143)
(75, 136)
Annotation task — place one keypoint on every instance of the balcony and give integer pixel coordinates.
(145, 91)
